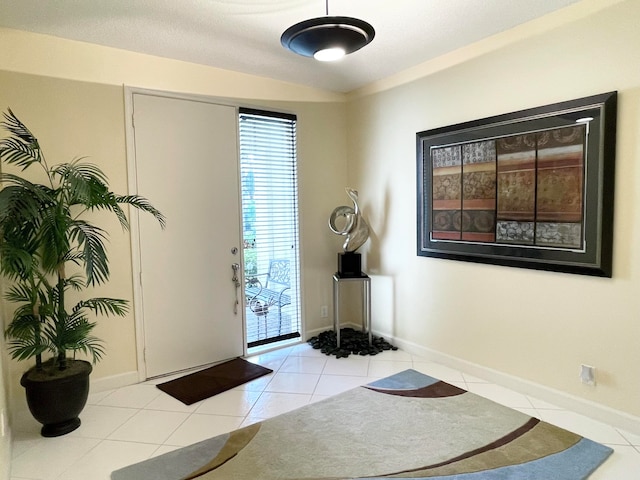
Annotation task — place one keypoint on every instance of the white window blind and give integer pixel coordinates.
(270, 224)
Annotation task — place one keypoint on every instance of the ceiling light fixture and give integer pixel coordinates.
(327, 38)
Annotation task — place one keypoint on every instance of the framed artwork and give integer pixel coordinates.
(529, 189)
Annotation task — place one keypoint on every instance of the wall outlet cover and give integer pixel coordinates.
(588, 374)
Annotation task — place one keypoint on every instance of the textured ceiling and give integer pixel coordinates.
(244, 35)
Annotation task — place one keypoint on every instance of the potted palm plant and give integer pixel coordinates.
(50, 247)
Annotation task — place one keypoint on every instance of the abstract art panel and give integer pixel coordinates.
(447, 194)
(479, 191)
(530, 189)
(516, 186)
(560, 185)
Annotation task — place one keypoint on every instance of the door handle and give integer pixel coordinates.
(236, 267)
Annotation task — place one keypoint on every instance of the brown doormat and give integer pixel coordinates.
(209, 382)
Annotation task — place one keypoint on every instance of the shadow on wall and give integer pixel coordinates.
(382, 286)
(377, 230)
(383, 306)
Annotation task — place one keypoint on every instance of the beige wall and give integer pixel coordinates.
(5, 440)
(45, 55)
(538, 326)
(73, 117)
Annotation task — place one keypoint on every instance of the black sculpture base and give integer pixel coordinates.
(350, 265)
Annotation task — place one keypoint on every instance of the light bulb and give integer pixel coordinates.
(329, 54)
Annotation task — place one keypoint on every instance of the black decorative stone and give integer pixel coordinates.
(352, 341)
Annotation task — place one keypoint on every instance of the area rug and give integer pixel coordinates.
(209, 382)
(408, 425)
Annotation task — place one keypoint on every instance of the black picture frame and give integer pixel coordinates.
(534, 237)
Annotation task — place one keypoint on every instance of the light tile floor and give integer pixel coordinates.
(133, 423)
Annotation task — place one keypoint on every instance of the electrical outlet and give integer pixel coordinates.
(588, 374)
(324, 311)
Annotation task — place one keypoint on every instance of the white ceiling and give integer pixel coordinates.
(244, 35)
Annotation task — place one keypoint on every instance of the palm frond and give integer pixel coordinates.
(14, 126)
(13, 179)
(22, 149)
(77, 168)
(109, 202)
(84, 183)
(23, 349)
(18, 293)
(18, 153)
(104, 306)
(74, 257)
(143, 204)
(90, 345)
(75, 336)
(21, 199)
(31, 295)
(77, 282)
(76, 326)
(19, 221)
(16, 263)
(23, 324)
(53, 237)
(91, 240)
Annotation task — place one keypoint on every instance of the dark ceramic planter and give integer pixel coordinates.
(56, 400)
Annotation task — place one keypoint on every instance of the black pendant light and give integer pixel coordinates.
(327, 38)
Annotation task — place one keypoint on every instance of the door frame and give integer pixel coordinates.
(132, 182)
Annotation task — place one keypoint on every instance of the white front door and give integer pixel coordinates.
(186, 161)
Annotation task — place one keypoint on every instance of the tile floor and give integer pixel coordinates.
(130, 424)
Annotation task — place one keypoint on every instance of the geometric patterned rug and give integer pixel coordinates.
(408, 425)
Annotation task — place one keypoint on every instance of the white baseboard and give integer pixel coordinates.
(5, 454)
(313, 333)
(114, 381)
(588, 408)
